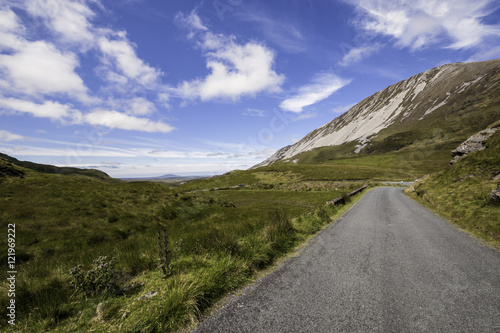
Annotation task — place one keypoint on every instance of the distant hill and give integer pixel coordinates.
(164, 178)
(442, 106)
(169, 176)
(10, 167)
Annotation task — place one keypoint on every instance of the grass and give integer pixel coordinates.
(224, 237)
(461, 193)
(223, 230)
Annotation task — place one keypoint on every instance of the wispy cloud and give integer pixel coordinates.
(322, 86)
(285, 35)
(343, 108)
(457, 24)
(254, 112)
(7, 136)
(305, 116)
(356, 54)
(235, 69)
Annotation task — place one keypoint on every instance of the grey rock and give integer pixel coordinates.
(495, 194)
(496, 176)
(475, 143)
(99, 312)
(148, 295)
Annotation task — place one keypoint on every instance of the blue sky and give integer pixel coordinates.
(144, 88)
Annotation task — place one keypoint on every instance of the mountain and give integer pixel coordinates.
(456, 99)
(164, 177)
(9, 166)
(169, 176)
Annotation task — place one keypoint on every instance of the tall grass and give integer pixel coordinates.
(224, 236)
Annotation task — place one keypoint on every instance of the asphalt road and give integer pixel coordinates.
(388, 265)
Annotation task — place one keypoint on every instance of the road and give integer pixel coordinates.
(388, 265)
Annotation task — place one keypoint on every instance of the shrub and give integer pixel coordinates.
(100, 279)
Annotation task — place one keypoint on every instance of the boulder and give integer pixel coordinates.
(472, 144)
(495, 194)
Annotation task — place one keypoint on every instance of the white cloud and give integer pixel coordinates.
(139, 106)
(67, 115)
(48, 109)
(39, 68)
(119, 54)
(322, 86)
(163, 98)
(69, 19)
(9, 21)
(115, 119)
(191, 21)
(419, 23)
(8, 136)
(235, 69)
(34, 74)
(11, 30)
(357, 54)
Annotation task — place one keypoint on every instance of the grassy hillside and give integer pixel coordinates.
(45, 168)
(461, 193)
(218, 240)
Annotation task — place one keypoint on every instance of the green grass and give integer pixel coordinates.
(461, 193)
(226, 236)
(226, 233)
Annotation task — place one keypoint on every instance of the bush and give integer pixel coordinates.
(100, 279)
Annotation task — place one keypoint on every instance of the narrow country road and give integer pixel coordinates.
(389, 265)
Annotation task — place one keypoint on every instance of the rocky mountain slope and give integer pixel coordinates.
(411, 102)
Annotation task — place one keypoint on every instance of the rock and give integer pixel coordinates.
(464, 178)
(495, 194)
(472, 144)
(148, 295)
(99, 312)
(496, 176)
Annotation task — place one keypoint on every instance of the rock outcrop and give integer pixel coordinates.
(473, 144)
(495, 194)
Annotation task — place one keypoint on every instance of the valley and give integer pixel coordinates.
(178, 249)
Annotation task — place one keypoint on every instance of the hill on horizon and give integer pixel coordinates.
(8, 169)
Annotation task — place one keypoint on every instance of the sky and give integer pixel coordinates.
(143, 88)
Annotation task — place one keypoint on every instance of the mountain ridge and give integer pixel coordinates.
(399, 105)
(9, 170)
